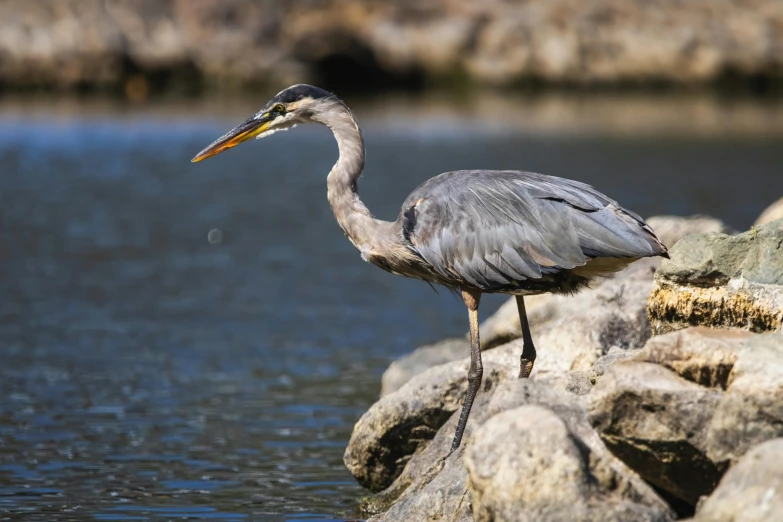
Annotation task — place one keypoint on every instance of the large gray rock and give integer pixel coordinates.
(438, 494)
(434, 484)
(402, 423)
(751, 410)
(665, 412)
(653, 420)
(679, 412)
(525, 464)
(751, 491)
(699, 354)
(720, 280)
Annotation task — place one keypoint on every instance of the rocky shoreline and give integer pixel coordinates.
(657, 396)
(368, 44)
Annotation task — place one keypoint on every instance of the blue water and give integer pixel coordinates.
(149, 373)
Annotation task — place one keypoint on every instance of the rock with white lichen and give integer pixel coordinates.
(720, 280)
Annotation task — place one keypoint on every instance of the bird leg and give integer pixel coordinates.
(471, 298)
(528, 356)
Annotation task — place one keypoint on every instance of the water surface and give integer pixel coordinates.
(197, 341)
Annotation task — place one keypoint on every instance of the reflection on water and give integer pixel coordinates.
(197, 341)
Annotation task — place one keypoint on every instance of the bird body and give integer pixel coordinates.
(517, 233)
(473, 231)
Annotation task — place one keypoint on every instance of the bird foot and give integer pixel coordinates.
(525, 367)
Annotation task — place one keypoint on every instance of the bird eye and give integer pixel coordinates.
(279, 108)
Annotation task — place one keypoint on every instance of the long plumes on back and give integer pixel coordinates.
(500, 230)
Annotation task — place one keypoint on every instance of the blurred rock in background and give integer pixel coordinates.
(143, 45)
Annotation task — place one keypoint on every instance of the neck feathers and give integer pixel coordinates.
(353, 217)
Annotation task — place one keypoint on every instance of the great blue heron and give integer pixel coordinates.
(473, 231)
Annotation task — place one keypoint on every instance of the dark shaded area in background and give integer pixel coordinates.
(358, 71)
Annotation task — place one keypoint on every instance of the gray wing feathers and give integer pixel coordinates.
(493, 227)
(610, 232)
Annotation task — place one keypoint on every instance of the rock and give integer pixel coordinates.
(771, 213)
(671, 229)
(720, 280)
(92, 42)
(654, 421)
(612, 356)
(508, 394)
(665, 413)
(404, 368)
(418, 496)
(698, 354)
(578, 382)
(751, 491)
(434, 484)
(525, 464)
(751, 411)
(679, 411)
(438, 493)
(402, 423)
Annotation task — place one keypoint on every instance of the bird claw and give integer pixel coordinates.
(525, 368)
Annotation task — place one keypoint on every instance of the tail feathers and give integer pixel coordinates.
(659, 249)
(613, 232)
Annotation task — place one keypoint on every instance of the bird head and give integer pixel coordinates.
(296, 104)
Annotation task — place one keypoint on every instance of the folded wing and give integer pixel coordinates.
(491, 228)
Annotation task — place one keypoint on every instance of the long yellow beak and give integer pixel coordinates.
(249, 129)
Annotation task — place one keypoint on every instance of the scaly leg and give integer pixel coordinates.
(471, 299)
(528, 356)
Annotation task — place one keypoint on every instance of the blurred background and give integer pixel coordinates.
(197, 341)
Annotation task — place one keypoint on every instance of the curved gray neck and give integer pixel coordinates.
(354, 218)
